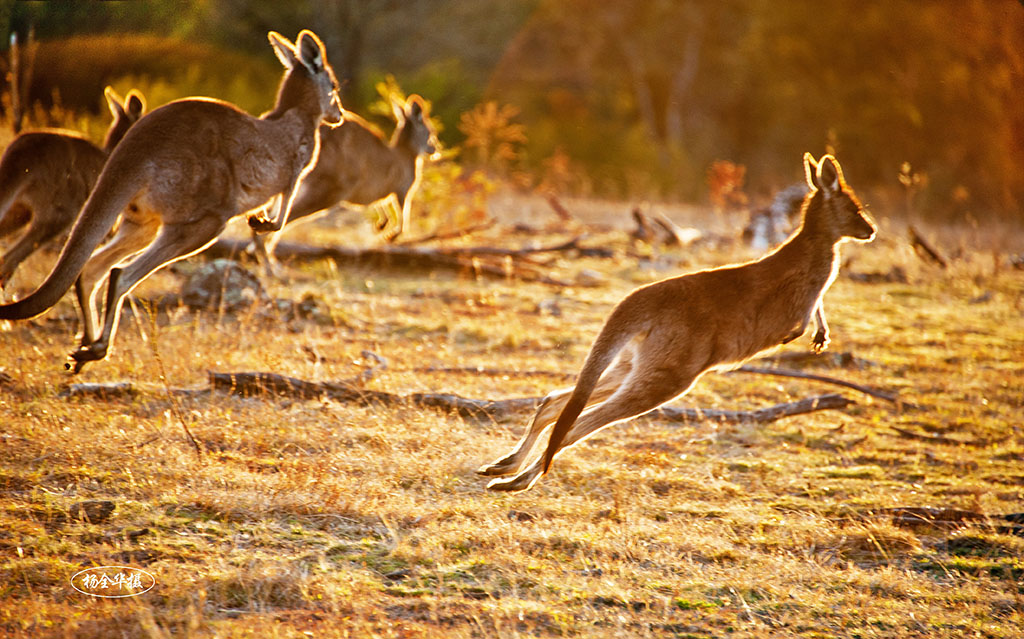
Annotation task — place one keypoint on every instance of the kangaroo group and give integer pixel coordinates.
(172, 179)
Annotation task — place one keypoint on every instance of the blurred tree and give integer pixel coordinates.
(666, 87)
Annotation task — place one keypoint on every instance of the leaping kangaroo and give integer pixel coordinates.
(46, 176)
(358, 167)
(176, 179)
(662, 337)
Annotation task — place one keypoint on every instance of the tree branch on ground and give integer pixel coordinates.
(255, 384)
(488, 261)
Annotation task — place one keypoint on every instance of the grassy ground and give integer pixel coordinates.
(315, 518)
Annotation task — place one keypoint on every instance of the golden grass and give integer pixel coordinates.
(316, 518)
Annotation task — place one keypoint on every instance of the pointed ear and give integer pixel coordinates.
(113, 102)
(830, 176)
(414, 107)
(135, 104)
(810, 171)
(397, 109)
(283, 48)
(311, 51)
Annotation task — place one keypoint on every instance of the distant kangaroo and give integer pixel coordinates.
(358, 167)
(46, 175)
(662, 337)
(178, 176)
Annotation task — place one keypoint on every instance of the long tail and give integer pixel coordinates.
(110, 196)
(606, 347)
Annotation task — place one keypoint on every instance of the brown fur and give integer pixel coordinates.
(358, 167)
(180, 174)
(46, 176)
(662, 337)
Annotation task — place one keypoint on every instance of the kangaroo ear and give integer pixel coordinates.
(810, 171)
(283, 48)
(135, 104)
(414, 106)
(113, 102)
(311, 51)
(830, 176)
(397, 109)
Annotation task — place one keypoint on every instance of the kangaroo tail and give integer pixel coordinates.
(105, 203)
(606, 347)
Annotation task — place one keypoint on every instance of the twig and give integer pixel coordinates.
(560, 210)
(490, 372)
(783, 372)
(924, 250)
(760, 415)
(949, 441)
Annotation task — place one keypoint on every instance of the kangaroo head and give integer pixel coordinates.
(840, 208)
(308, 58)
(415, 125)
(126, 112)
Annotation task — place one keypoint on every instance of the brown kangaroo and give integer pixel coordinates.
(358, 167)
(662, 337)
(179, 175)
(46, 175)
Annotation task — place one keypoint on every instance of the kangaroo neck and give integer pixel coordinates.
(296, 99)
(810, 252)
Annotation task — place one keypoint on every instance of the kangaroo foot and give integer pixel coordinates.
(820, 342)
(261, 224)
(498, 468)
(84, 355)
(520, 482)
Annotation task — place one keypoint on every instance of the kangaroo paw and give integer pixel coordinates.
(820, 342)
(261, 224)
(84, 355)
(496, 469)
(520, 482)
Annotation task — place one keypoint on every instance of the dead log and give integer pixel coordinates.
(256, 384)
(457, 259)
(250, 384)
(760, 415)
(253, 384)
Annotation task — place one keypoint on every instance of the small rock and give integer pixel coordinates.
(222, 284)
(590, 277)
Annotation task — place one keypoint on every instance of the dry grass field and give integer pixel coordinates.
(320, 518)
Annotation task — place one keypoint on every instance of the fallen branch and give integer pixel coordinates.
(924, 250)
(254, 384)
(410, 257)
(760, 415)
(783, 372)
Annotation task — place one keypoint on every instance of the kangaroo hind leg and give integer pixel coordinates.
(172, 243)
(639, 393)
(549, 410)
(135, 233)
